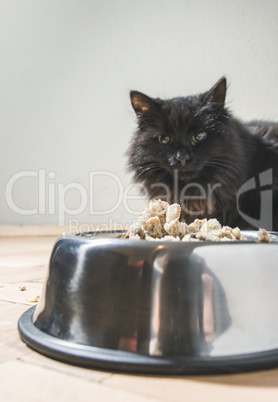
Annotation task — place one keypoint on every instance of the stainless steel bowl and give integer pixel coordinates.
(158, 307)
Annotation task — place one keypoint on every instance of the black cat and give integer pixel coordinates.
(191, 150)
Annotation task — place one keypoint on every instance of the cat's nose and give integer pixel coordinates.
(183, 159)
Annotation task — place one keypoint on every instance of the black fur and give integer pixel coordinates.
(212, 171)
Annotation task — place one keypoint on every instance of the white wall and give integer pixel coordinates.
(66, 70)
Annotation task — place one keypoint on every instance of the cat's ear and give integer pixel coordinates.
(141, 103)
(217, 93)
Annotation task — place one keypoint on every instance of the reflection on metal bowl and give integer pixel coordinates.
(158, 307)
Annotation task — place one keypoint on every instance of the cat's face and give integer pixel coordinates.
(181, 134)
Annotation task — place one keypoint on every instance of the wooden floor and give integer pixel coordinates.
(28, 376)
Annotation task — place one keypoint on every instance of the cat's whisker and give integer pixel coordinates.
(228, 168)
(224, 163)
(146, 172)
(224, 158)
(163, 174)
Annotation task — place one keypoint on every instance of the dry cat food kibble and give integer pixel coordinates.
(161, 221)
(263, 236)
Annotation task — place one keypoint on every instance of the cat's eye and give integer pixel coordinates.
(164, 140)
(199, 137)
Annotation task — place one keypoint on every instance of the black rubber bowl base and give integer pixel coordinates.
(128, 362)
